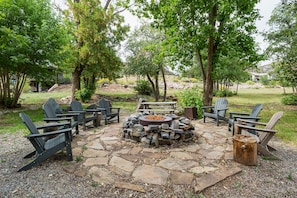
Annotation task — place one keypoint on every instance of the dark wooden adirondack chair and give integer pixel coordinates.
(46, 148)
(107, 111)
(85, 115)
(50, 109)
(264, 134)
(253, 116)
(217, 112)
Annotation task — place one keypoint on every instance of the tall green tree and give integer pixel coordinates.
(282, 38)
(98, 29)
(205, 30)
(146, 58)
(32, 38)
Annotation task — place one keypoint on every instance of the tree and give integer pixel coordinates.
(205, 30)
(97, 30)
(32, 39)
(282, 39)
(146, 57)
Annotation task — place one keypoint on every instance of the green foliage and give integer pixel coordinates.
(143, 87)
(191, 98)
(224, 93)
(289, 99)
(282, 39)
(84, 94)
(264, 80)
(32, 38)
(249, 82)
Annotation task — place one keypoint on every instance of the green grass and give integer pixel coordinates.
(243, 102)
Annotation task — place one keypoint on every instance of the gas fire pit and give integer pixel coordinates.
(154, 120)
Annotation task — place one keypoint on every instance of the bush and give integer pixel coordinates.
(249, 82)
(143, 87)
(191, 98)
(289, 100)
(224, 93)
(84, 94)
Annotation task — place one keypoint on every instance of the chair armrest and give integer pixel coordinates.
(67, 114)
(242, 121)
(92, 110)
(49, 133)
(57, 119)
(53, 125)
(77, 112)
(231, 114)
(115, 108)
(256, 129)
(246, 118)
(224, 109)
(206, 107)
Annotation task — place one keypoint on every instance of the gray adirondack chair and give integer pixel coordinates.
(253, 116)
(50, 109)
(85, 115)
(264, 134)
(217, 112)
(107, 111)
(46, 148)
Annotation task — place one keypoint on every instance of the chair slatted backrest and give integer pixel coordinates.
(39, 142)
(77, 106)
(106, 105)
(49, 110)
(52, 102)
(256, 110)
(221, 103)
(265, 137)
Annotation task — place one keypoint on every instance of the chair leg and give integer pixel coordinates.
(30, 155)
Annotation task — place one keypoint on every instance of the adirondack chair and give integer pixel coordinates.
(50, 109)
(45, 149)
(264, 134)
(108, 112)
(217, 112)
(253, 116)
(85, 115)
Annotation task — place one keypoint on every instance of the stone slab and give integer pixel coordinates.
(211, 179)
(151, 175)
(122, 164)
(181, 178)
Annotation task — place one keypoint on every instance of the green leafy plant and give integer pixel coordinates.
(84, 94)
(224, 93)
(191, 98)
(289, 99)
(143, 87)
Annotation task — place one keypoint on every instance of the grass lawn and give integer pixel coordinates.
(243, 102)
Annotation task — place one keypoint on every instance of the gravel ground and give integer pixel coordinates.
(271, 178)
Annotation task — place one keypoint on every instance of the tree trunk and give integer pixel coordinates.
(157, 94)
(165, 84)
(208, 91)
(76, 75)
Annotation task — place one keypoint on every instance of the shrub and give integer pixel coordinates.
(143, 87)
(289, 99)
(84, 94)
(249, 82)
(224, 93)
(191, 98)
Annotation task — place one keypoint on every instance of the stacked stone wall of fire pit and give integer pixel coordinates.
(157, 129)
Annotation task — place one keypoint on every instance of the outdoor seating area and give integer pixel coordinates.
(171, 140)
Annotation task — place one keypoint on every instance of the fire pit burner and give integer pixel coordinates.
(154, 120)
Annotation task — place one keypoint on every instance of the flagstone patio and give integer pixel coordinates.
(110, 159)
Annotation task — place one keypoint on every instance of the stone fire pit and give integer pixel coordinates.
(154, 120)
(157, 129)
